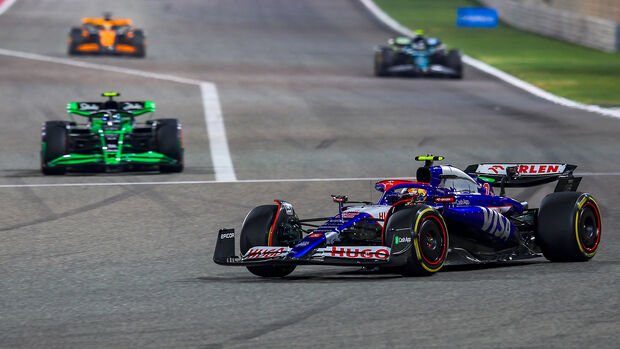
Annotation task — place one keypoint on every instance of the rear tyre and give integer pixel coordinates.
(455, 61)
(430, 239)
(255, 231)
(139, 43)
(75, 38)
(54, 144)
(569, 227)
(169, 141)
(383, 60)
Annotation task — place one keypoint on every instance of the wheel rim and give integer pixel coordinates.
(432, 237)
(589, 229)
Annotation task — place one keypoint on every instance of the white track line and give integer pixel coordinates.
(255, 181)
(96, 66)
(220, 155)
(510, 79)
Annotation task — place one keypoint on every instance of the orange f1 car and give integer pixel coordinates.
(107, 35)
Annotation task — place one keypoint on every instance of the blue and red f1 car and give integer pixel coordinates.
(447, 214)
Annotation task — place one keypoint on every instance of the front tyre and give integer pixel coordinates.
(54, 144)
(259, 229)
(139, 42)
(455, 61)
(569, 227)
(430, 239)
(383, 60)
(75, 39)
(169, 141)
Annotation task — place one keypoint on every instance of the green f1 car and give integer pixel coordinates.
(111, 139)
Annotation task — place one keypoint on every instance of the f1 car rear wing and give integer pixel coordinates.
(521, 175)
(133, 107)
(102, 21)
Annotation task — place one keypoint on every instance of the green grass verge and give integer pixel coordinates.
(567, 70)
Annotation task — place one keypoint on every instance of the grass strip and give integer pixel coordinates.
(575, 72)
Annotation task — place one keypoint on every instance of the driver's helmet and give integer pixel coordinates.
(419, 35)
(418, 42)
(415, 194)
(110, 105)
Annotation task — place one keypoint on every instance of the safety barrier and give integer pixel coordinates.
(562, 23)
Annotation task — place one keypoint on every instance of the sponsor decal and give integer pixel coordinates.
(370, 252)
(258, 252)
(462, 202)
(227, 236)
(86, 106)
(523, 169)
(303, 243)
(349, 214)
(404, 239)
(476, 17)
(315, 235)
(132, 106)
(496, 168)
(495, 224)
(382, 215)
(541, 169)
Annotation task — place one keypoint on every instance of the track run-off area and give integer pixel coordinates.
(277, 101)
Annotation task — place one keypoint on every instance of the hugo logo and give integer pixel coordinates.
(265, 252)
(364, 253)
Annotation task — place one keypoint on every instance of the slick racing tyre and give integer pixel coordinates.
(260, 229)
(455, 61)
(139, 43)
(429, 235)
(169, 141)
(54, 144)
(383, 60)
(569, 227)
(75, 38)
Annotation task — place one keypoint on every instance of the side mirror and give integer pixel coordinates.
(340, 198)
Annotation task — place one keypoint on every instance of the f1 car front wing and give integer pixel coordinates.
(279, 255)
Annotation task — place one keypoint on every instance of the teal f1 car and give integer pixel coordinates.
(111, 139)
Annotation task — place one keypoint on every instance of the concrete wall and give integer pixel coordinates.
(605, 9)
(564, 19)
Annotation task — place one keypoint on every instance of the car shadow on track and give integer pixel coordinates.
(357, 275)
(33, 173)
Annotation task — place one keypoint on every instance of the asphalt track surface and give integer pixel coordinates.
(130, 266)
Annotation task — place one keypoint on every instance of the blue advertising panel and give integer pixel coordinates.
(476, 17)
